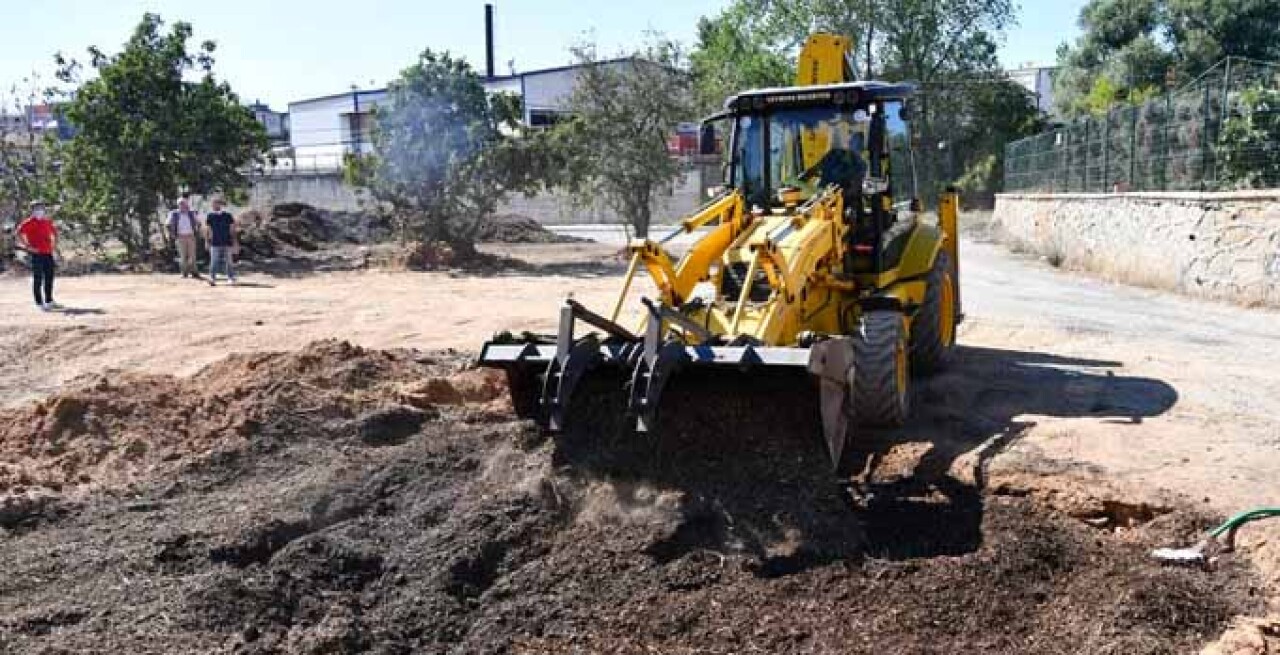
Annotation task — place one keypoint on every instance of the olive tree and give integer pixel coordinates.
(1248, 150)
(624, 112)
(446, 153)
(153, 122)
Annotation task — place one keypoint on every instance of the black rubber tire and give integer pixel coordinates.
(930, 348)
(881, 396)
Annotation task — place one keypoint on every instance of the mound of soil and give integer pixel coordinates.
(514, 228)
(341, 500)
(116, 431)
(293, 228)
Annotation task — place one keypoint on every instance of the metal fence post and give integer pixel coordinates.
(1222, 118)
(1204, 141)
(1168, 152)
(1106, 151)
(1133, 149)
(1059, 147)
(1084, 159)
(1008, 165)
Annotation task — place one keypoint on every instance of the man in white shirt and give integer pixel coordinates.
(182, 226)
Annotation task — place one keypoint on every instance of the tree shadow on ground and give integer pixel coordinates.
(744, 448)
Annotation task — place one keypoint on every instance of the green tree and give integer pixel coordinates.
(445, 154)
(1202, 32)
(624, 113)
(734, 53)
(1248, 150)
(975, 120)
(1130, 48)
(147, 130)
(966, 109)
(27, 153)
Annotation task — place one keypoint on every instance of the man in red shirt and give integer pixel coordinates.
(38, 235)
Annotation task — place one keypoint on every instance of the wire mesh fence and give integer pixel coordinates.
(1221, 132)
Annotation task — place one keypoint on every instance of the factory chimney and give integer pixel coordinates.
(488, 40)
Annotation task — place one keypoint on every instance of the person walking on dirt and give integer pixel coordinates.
(182, 227)
(39, 237)
(220, 233)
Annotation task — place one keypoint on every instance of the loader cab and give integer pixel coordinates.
(805, 139)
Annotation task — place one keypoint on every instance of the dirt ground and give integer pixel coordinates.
(343, 500)
(165, 324)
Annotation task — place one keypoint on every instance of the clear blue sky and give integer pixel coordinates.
(282, 50)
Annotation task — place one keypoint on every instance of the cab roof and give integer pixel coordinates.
(843, 93)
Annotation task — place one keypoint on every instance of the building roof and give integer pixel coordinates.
(330, 96)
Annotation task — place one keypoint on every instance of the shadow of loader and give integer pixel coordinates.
(744, 448)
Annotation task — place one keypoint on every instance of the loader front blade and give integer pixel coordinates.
(831, 363)
(543, 376)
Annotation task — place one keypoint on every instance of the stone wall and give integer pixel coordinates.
(1214, 245)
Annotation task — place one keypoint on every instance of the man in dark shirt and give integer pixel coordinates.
(843, 167)
(220, 231)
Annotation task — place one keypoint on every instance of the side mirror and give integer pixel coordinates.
(904, 112)
(707, 142)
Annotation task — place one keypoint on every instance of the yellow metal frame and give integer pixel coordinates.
(822, 60)
(799, 250)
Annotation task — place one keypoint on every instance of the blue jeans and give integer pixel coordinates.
(221, 255)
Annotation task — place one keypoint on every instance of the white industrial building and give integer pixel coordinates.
(322, 130)
(1039, 81)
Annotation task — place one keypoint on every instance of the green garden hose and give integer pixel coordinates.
(1196, 555)
(1232, 524)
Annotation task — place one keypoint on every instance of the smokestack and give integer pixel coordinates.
(488, 40)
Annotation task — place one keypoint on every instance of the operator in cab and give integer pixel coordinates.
(843, 167)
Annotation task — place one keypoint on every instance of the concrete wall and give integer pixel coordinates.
(558, 209)
(1214, 245)
(325, 190)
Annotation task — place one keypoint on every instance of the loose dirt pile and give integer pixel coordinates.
(341, 500)
(117, 431)
(291, 229)
(514, 228)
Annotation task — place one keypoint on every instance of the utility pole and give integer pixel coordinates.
(355, 120)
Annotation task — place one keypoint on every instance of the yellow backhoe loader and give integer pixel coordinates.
(806, 259)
